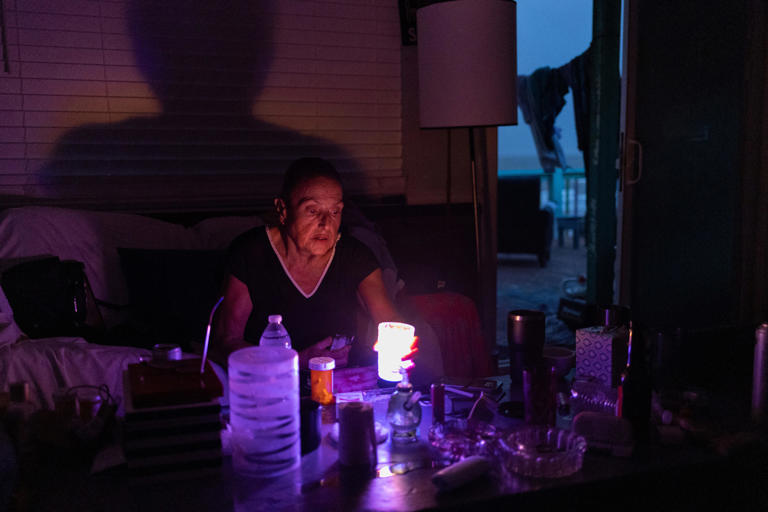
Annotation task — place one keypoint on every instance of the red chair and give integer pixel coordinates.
(456, 322)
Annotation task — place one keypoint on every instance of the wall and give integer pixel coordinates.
(138, 103)
(435, 161)
(179, 105)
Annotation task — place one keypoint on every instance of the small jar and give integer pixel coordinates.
(88, 403)
(321, 379)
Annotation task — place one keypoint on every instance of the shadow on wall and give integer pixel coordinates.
(206, 62)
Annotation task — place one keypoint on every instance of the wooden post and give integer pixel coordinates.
(603, 151)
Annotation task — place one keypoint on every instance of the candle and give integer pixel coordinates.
(396, 341)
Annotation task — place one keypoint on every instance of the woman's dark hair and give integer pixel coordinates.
(305, 169)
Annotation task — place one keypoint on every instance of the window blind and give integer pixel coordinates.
(188, 103)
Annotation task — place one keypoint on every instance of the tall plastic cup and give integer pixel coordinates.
(264, 410)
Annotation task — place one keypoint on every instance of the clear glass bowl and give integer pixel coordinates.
(456, 439)
(542, 452)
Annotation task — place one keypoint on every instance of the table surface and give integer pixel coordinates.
(404, 482)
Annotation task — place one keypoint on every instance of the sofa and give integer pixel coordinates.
(165, 302)
(155, 281)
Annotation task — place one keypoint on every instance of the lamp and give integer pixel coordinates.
(467, 63)
(396, 341)
(467, 71)
(467, 60)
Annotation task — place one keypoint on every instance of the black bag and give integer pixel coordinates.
(50, 297)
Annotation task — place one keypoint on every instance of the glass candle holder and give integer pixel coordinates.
(394, 343)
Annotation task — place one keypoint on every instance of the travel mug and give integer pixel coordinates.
(525, 337)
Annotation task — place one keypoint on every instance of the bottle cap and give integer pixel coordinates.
(322, 363)
(275, 319)
(614, 315)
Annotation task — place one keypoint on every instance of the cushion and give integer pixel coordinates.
(218, 232)
(93, 237)
(172, 293)
(9, 331)
(51, 364)
(90, 237)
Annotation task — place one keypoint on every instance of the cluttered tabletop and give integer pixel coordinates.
(477, 450)
(538, 435)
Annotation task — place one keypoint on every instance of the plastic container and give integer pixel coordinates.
(264, 410)
(275, 334)
(321, 379)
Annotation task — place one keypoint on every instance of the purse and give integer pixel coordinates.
(50, 297)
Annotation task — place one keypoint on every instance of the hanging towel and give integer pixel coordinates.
(577, 75)
(541, 98)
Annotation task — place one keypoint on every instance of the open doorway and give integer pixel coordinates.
(551, 34)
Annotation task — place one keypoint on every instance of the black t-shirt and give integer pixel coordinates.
(330, 310)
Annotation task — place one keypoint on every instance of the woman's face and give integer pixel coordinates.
(313, 215)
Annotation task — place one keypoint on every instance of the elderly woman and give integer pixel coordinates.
(303, 268)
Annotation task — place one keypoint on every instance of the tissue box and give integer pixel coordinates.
(601, 353)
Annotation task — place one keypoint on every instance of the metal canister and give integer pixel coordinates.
(760, 374)
(525, 337)
(164, 352)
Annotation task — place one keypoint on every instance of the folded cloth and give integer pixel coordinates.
(346, 380)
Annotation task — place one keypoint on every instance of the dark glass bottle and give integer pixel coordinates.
(615, 320)
(635, 387)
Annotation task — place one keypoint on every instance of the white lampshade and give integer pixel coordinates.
(467, 63)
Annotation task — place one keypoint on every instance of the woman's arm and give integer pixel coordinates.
(229, 323)
(374, 295)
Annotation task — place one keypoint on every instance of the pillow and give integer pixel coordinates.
(9, 331)
(218, 232)
(91, 237)
(172, 293)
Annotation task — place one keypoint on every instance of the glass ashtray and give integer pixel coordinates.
(456, 439)
(542, 452)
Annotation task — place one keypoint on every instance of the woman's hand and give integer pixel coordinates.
(321, 348)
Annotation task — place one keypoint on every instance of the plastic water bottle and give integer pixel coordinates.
(275, 334)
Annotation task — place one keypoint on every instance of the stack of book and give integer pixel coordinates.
(169, 432)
